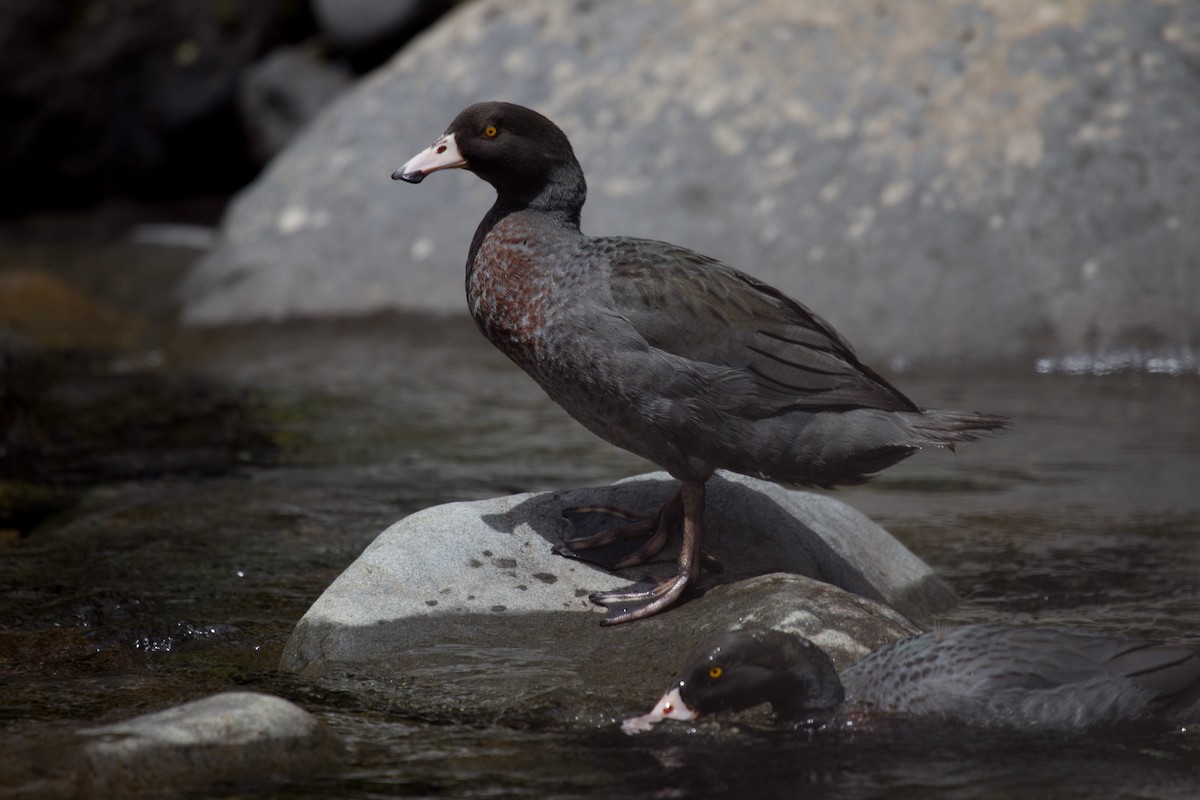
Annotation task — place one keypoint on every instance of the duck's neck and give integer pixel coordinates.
(557, 197)
(814, 688)
(563, 194)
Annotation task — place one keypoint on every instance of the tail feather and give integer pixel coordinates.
(936, 428)
(1170, 673)
(844, 447)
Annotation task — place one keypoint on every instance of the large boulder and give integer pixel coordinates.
(452, 595)
(958, 179)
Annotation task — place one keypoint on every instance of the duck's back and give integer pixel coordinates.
(1030, 678)
(699, 309)
(687, 362)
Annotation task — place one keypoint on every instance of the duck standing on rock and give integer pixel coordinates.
(664, 352)
(991, 676)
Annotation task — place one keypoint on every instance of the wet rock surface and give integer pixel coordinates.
(941, 181)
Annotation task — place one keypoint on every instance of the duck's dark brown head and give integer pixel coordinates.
(525, 156)
(742, 669)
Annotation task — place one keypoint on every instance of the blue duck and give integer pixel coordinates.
(664, 352)
(994, 676)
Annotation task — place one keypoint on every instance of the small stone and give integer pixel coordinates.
(233, 737)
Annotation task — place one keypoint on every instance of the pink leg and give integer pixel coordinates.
(626, 606)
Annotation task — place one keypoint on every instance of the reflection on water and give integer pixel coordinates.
(1085, 514)
(1184, 362)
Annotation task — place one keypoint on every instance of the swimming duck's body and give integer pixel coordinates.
(994, 676)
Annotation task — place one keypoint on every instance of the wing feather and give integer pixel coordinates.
(697, 308)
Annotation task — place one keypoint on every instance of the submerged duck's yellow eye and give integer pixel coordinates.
(490, 131)
(715, 672)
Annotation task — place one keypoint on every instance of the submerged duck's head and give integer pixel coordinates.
(742, 669)
(517, 150)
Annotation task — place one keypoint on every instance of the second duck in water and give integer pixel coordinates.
(664, 352)
(991, 676)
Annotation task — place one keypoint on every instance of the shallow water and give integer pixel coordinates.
(150, 593)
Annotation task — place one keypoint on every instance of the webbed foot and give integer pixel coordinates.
(601, 545)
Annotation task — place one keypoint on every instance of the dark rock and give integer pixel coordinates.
(279, 94)
(368, 31)
(131, 96)
(941, 181)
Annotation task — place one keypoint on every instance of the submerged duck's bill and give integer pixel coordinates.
(669, 706)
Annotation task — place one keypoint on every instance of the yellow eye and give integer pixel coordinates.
(490, 131)
(715, 672)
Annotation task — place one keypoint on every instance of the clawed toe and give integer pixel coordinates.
(650, 596)
(640, 600)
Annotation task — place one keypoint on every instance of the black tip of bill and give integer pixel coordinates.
(409, 177)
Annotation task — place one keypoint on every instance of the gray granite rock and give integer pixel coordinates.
(941, 180)
(233, 737)
(461, 588)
